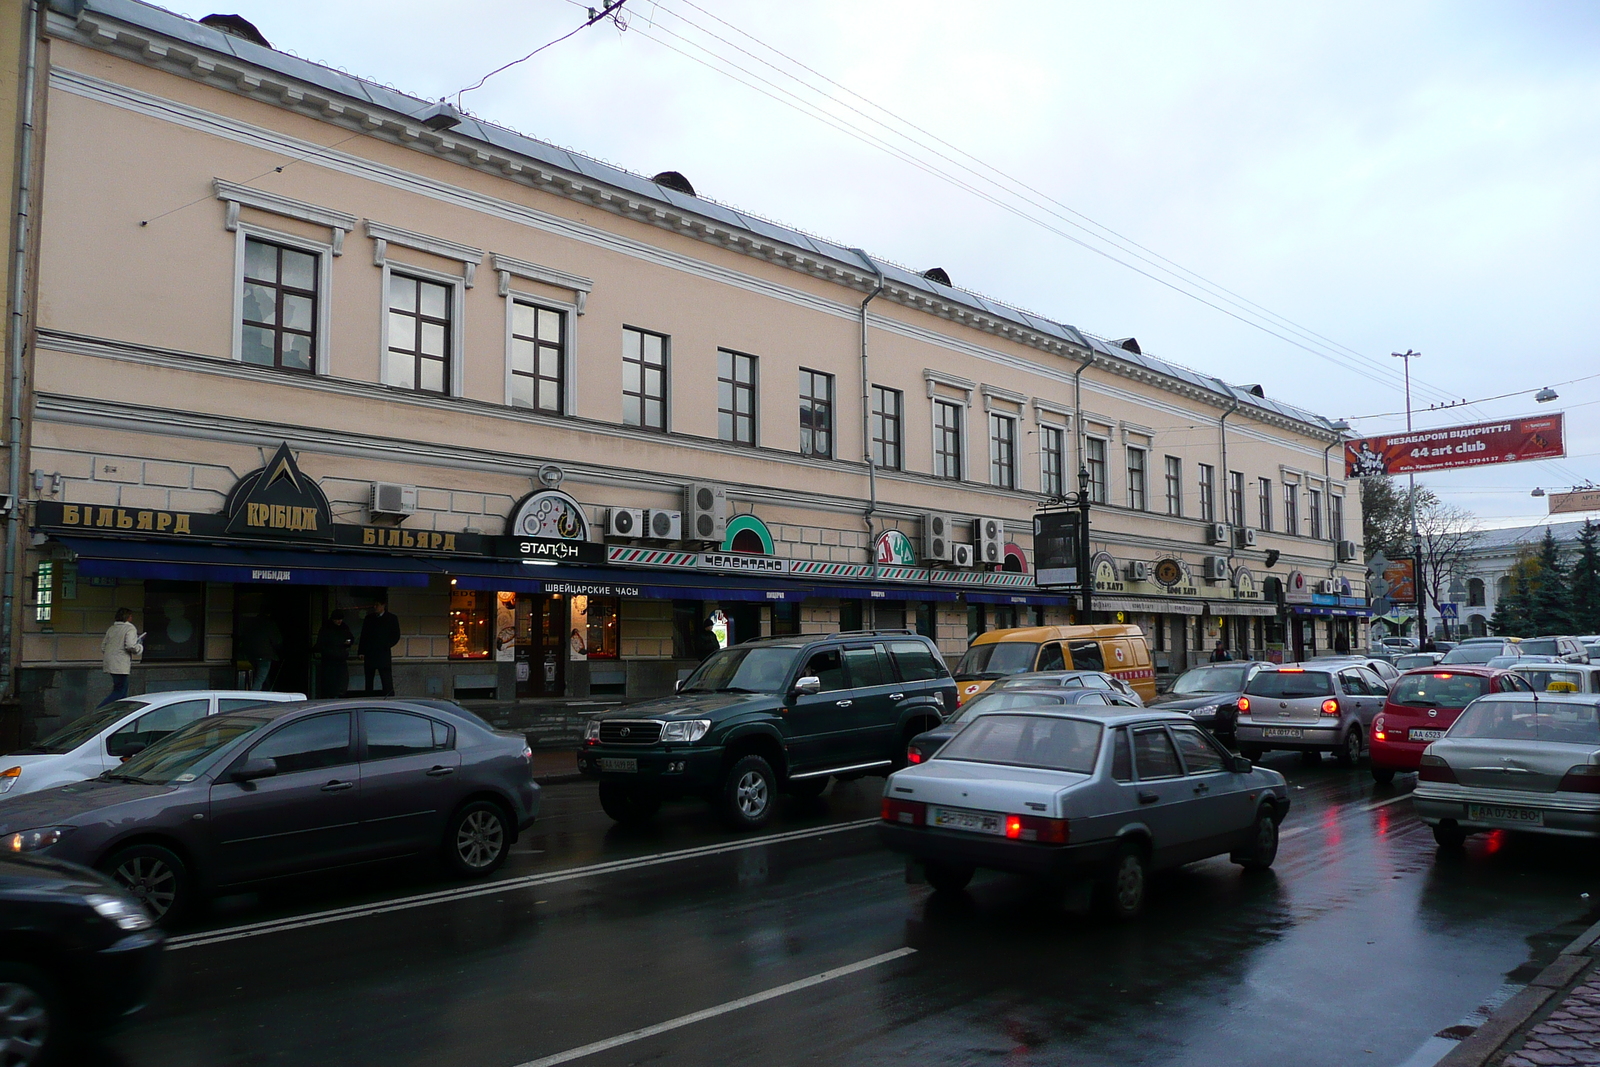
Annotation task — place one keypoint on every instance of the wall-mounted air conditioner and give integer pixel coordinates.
(962, 555)
(936, 542)
(1217, 533)
(1247, 538)
(989, 541)
(660, 525)
(1216, 568)
(392, 498)
(624, 522)
(1138, 571)
(705, 511)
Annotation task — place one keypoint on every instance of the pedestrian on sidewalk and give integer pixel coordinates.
(705, 640)
(118, 649)
(380, 632)
(334, 642)
(263, 647)
(1220, 654)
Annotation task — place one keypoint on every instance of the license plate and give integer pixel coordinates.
(615, 763)
(976, 822)
(1284, 732)
(1425, 735)
(1513, 816)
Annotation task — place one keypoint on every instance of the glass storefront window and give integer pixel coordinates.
(604, 628)
(472, 623)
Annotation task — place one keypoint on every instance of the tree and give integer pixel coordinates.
(1512, 612)
(1585, 581)
(1447, 539)
(1550, 605)
(1385, 519)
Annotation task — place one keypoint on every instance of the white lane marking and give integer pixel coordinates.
(422, 900)
(721, 1009)
(1375, 805)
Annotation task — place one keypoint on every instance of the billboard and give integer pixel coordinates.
(1577, 500)
(1478, 445)
(1055, 548)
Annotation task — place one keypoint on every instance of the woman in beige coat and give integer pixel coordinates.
(117, 650)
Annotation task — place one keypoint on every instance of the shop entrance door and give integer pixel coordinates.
(744, 620)
(285, 613)
(1178, 628)
(541, 646)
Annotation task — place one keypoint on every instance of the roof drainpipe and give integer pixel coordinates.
(19, 292)
(1227, 479)
(1077, 409)
(866, 413)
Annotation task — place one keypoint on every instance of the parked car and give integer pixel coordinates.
(1560, 677)
(777, 713)
(1565, 649)
(1516, 761)
(77, 954)
(1593, 648)
(1480, 651)
(1417, 660)
(1062, 794)
(1118, 650)
(278, 789)
(1001, 698)
(1209, 694)
(1400, 644)
(1310, 710)
(100, 740)
(1442, 647)
(1421, 707)
(1072, 680)
(1381, 667)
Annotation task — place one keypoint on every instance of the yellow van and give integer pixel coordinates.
(1116, 650)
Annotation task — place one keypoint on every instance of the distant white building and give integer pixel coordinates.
(1488, 575)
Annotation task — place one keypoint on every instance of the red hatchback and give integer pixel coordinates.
(1421, 706)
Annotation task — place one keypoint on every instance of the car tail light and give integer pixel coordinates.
(909, 812)
(914, 755)
(1244, 705)
(1330, 707)
(1291, 670)
(1033, 828)
(1378, 732)
(1435, 769)
(1584, 778)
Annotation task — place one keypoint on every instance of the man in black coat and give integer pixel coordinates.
(380, 632)
(333, 656)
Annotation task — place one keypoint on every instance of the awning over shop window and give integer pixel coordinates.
(1040, 599)
(1317, 609)
(879, 592)
(1236, 607)
(1151, 605)
(110, 558)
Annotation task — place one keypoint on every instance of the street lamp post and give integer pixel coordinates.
(1416, 538)
(1085, 578)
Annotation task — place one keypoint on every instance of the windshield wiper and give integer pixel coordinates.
(117, 776)
(1421, 703)
(737, 689)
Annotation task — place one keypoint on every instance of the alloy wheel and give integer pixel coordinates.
(1130, 883)
(24, 1025)
(480, 838)
(751, 795)
(1352, 744)
(151, 880)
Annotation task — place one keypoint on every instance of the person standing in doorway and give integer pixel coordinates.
(263, 647)
(380, 632)
(705, 640)
(117, 651)
(334, 642)
(1220, 654)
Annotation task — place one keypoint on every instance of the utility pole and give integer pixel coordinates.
(1411, 499)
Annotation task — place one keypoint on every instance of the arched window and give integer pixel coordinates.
(1478, 626)
(1502, 587)
(1475, 592)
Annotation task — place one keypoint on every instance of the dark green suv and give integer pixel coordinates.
(778, 713)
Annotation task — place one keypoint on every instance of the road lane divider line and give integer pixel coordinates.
(721, 1009)
(1376, 804)
(504, 885)
(1295, 831)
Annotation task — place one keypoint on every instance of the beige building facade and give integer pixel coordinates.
(302, 343)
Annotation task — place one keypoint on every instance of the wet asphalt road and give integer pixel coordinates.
(1360, 945)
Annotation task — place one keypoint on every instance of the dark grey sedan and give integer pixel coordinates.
(284, 789)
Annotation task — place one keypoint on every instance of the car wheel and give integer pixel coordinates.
(30, 1016)
(1449, 834)
(948, 877)
(806, 788)
(1383, 775)
(478, 839)
(1253, 753)
(1263, 845)
(1349, 754)
(1121, 889)
(628, 804)
(1311, 757)
(747, 793)
(156, 876)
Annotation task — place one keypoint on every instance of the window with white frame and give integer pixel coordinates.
(1174, 485)
(420, 334)
(1002, 450)
(947, 439)
(1314, 507)
(1208, 493)
(279, 306)
(538, 357)
(1095, 459)
(1052, 458)
(1138, 474)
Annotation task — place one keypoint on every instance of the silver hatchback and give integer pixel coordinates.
(1313, 711)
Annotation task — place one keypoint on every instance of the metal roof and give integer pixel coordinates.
(158, 20)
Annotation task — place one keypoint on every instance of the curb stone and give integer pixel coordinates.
(1482, 1044)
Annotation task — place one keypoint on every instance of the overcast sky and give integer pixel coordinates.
(1388, 176)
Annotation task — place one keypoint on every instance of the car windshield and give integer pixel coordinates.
(1407, 663)
(183, 755)
(1438, 689)
(1027, 741)
(1289, 684)
(1561, 721)
(1471, 654)
(1006, 701)
(1209, 680)
(1553, 680)
(78, 731)
(746, 669)
(997, 659)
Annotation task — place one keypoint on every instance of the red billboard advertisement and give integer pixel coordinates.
(1508, 441)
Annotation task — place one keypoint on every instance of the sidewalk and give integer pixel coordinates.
(1553, 1022)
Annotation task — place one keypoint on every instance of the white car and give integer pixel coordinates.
(94, 743)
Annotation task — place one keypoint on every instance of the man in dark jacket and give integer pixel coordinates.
(334, 641)
(380, 632)
(705, 641)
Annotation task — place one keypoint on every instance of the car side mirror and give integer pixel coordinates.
(251, 769)
(1242, 765)
(677, 687)
(808, 684)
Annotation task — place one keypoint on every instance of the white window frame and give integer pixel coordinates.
(457, 284)
(324, 253)
(569, 357)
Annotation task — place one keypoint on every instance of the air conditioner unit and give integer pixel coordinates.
(662, 525)
(391, 498)
(989, 541)
(1138, 571)
(1327, 587)
(1246, 538)
(936, 542)
(962, 555)
(1218, 533)
(625, 522)
(1216, 569)
(1347, 551)
(705, 511)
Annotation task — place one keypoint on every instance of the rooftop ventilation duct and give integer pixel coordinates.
(1129, 344)
(236, 26)
(937, 274)
(671, 179)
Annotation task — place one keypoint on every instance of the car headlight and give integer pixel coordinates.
(685, 729)
(9, 777)
(1209, 711)
(592, 731)
(127, 914)
(35, 839)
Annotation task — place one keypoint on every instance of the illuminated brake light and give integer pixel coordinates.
(1033, 828)
(1244, 705)
(1291, 670)
(913, 755)
(1444, 676)
(1330, 707)
(1435, 769)
(1584, 778)
(909, 812)
(1378, 731)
